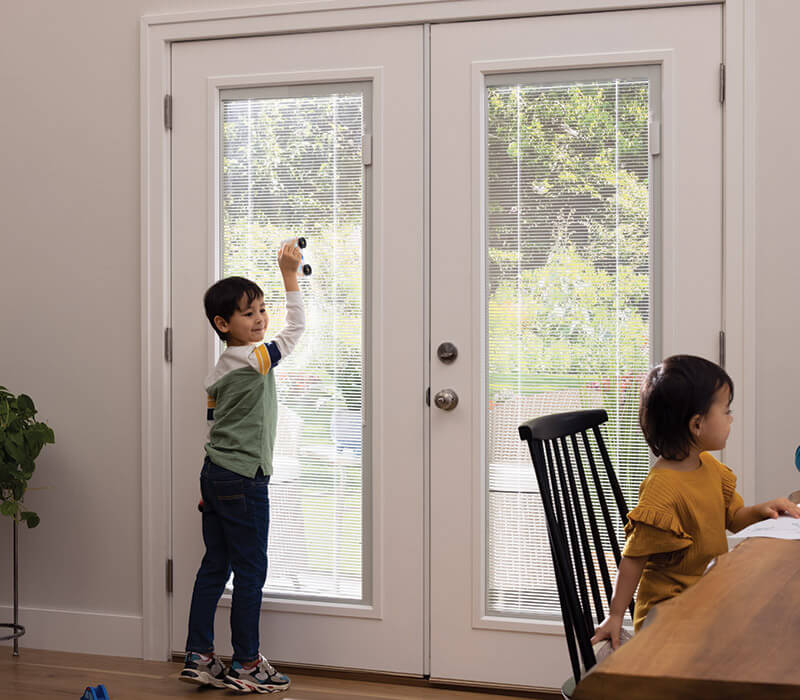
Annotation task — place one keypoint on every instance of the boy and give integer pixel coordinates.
(242, 413)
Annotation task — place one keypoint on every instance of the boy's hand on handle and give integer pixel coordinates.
(289, 257)
(609, 629)
(778, 506)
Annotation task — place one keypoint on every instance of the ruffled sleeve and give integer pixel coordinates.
(653, 527)
(733, 501)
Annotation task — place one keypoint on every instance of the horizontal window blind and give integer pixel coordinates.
(292, 166)
(569, 300)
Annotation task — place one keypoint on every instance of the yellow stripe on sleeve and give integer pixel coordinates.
(263, 358)
(212, 402)
(258, 359)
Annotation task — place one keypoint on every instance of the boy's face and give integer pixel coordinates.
(248, 323)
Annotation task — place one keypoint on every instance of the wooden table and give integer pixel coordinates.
(734, 634)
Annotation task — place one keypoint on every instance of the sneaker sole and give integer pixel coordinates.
(262, 689)
(202, 678)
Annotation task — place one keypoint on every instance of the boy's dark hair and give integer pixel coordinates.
(222, 299)
(680, 387)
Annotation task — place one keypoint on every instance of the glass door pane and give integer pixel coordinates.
(570, 304)
(292, 166)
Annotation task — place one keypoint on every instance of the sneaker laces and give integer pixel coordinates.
(266, 666)
(263, 669)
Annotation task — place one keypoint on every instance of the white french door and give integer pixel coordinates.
(575, 235)
(317, 135)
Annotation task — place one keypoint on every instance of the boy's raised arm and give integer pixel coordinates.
(289, 258)
(288, 336)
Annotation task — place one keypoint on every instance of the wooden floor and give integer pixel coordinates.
(35, 675)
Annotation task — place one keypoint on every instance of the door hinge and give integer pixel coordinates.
(366, 149)
(169, 575)
(428, 396)
(168, 112)
(722, 83)
(168, 344)
(655, 137)
(722, 349)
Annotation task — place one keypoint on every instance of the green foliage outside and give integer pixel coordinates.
(568, 267)
(22, 438)
(568, 254)
(568, 260)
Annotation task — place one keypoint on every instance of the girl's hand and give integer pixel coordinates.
(779, 506)
(609, 629)
(289, 257)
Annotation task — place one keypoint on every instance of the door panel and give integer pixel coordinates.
(564, 224)
(317, 135)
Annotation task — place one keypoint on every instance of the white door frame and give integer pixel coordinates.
(157, 33)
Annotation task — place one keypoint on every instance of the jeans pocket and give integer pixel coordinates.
(230, 496)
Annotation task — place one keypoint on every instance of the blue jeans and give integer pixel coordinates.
(235, 527)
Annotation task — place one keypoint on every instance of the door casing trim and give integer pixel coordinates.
(159, 32)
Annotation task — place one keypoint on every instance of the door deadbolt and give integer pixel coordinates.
(447, 353)
(446, 399)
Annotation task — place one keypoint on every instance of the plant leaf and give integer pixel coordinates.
(43, 432)
(9, 508)
(15, 452)
(30, 518)
(25, 405)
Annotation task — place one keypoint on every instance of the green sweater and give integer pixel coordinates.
(246, 417)
(242, 401)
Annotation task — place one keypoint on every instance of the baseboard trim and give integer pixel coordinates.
(79, 631)
(495, 688)
(352, 674)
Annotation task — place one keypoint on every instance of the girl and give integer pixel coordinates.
(688, 499)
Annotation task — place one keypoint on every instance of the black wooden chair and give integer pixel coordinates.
(575, 496)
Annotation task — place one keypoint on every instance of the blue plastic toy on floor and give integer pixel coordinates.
(98, 693)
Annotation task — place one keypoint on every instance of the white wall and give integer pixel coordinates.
(70, 311)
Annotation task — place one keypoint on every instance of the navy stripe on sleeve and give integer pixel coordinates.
(274, 353)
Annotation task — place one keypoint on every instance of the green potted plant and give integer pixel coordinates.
(22, 438)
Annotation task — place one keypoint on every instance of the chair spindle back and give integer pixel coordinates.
(574, 485)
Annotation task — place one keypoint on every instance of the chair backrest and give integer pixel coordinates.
(573, 489)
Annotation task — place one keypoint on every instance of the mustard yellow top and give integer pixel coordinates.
(679, 525)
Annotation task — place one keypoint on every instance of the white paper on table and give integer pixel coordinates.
(783, 527)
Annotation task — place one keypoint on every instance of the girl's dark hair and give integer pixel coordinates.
(222, 299)
(680, 387)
